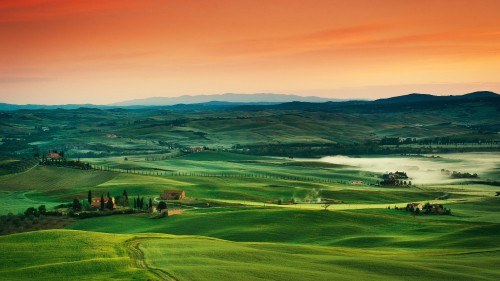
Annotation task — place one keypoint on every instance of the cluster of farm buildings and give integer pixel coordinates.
(166, 195)
(434, 209)
(395, 179)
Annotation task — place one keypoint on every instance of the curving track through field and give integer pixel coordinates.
(137, 257)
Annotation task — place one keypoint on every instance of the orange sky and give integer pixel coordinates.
(59, 51)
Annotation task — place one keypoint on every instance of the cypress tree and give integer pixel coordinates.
(109, 204)
(150, 204)
(125, 198)
(135, 204)
(102, 202)
(89, 197)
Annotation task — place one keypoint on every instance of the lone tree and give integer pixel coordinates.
(162, 206)
(89, 197)
(325, 206)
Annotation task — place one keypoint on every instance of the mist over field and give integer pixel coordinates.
(425, 170)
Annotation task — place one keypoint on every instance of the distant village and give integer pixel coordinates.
(459, 175)
(105, 205)
(424, 209)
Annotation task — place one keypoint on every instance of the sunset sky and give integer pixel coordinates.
(60, 51)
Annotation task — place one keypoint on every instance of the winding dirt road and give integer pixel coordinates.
(137, 257)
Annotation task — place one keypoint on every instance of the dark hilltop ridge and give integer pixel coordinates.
(415, 97)
(261, 101)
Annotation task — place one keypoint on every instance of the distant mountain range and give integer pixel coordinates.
(231, 98)
(255, 101)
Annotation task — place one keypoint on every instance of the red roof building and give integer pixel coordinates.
(96, 202)
(54, 155)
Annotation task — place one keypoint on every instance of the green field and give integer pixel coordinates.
(93, 256)
(231, 229)
(209, 259)
(356, 228)
(76, 255)
(298, 131)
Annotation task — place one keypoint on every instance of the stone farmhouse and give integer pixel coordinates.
(173, 195)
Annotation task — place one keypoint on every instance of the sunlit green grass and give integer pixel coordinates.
(81, 255)
(18, 201)
(262, 240)
(362, 228)
(66, 255)
(53, 178)
(209, 259)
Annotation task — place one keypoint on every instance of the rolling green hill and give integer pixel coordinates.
(306, 127)
(356, 229)
(209, 259)
(53, 178)
(81, 255)
(66, 255)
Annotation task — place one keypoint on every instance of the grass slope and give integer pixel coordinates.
(361, 228)
(210, 259)
(77, 255)
(52, 178)
(18, 201)
(80, 255)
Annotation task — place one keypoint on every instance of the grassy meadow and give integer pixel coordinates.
(210, 259)
(243, 235)
(77, 255)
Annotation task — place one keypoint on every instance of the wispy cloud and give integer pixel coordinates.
(118, 56)
(299, 43)
(464, 37)
(382, 38)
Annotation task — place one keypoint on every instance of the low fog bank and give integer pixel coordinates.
(425, 170)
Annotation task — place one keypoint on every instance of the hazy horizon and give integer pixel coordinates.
(223, 94)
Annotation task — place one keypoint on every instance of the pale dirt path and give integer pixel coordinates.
(345, 206)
